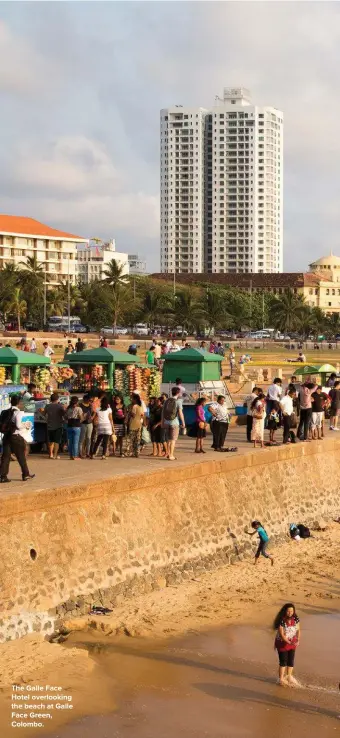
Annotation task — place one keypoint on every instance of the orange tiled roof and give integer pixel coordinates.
(30, 227)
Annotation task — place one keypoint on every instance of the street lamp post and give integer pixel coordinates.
(68, 296)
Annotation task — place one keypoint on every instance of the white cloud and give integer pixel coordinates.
(76, 175)
(70, 164)
(87, 159)
(23, 70)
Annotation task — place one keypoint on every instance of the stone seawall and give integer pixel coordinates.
(64, 549)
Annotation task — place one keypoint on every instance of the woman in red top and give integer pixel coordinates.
(287, 639)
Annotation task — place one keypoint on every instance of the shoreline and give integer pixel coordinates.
(240, 593)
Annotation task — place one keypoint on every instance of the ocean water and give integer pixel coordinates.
(218, 683)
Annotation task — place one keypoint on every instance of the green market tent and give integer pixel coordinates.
(104, 357)
(10, 356)
(192, 365)
(308, 369)
(326, 369)
(101, 356)
(322, 370)
(16, 358)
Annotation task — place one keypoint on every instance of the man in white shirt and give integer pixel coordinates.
(274, 395)
(33, 346)
(48, 351)
(287, 408)
(13, 441)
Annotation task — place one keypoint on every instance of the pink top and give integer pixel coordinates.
(306, 397)
(200, 417)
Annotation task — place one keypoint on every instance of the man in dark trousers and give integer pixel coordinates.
(13, 441)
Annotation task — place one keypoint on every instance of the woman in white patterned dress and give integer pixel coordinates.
(258, 412)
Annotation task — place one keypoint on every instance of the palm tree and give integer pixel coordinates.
(333, 325)
(33, 266)
(120, 301)
(286, 311)
(56, 302)
(215, 311)
(9, 279)
(16, 306)
(114, 275)
(32, 277)
(186, 311)
(153, 307)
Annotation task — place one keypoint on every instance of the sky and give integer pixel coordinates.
(82, 83)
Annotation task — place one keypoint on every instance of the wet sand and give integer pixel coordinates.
(202, 661)
(219, 683)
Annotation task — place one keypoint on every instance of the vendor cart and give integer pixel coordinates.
(20, 367)
(200, 373)
(112, 371)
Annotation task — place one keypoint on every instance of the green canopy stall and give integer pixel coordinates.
(97, 366)
(14, 361)
(108, 369)
(201, 374)
(192, 365)
(306, 370)
(321, 370)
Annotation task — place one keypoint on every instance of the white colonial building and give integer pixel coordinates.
(92, 260)
(21, 238)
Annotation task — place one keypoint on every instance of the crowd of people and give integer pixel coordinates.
(100, 426)
(298, 409)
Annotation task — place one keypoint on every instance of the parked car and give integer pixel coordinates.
(121, 331)
(78, 328)
(107, 330)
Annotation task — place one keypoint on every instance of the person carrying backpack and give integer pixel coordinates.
(172, 417)
(13, 441)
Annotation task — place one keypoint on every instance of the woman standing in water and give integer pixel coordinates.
(287, 639)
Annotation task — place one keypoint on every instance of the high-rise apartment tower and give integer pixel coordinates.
(221, 187)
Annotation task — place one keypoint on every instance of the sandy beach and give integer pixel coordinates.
(304, 572)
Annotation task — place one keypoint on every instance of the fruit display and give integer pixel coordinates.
(88, 377)
(154, 382)
(119, 381)
(146, 381)
(61, 373)
(42, 378)
(2, 374)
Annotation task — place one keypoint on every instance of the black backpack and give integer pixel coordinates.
(7, 424)
(303, 530)
(170, 409)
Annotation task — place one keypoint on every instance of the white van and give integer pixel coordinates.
(141, 329)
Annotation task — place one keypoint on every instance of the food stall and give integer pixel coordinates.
(22, 367)
(114, 371)
(323, 371)
(200, 372)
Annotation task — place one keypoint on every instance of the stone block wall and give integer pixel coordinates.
(64, 549)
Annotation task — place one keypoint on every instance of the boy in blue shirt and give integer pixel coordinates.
(263, 543)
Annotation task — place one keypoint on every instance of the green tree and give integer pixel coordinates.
(332, 325)
(114, 275)
(154, 306)
(33, 266)
(32, 278)
(17, 307)
(187, 310)
(9, 279)
(215, 311)
(286, 311)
